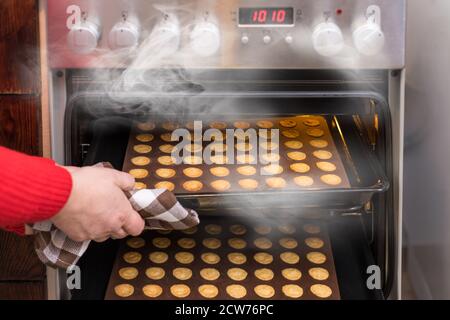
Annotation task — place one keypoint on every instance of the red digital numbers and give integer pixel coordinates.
(264, 16)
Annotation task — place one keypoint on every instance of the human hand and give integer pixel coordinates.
(97, 208)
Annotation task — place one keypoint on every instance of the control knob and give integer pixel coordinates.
(369, 39)
(83, 37)
(125, 34)
(328, 40)
(205, 39)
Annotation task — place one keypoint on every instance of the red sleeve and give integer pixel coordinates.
(31, 189)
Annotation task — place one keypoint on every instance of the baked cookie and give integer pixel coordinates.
(323, 154)
(331, 179)
(326, 166)
(286, 229)
(212, 243)
(124, 290)
(319, 143)
(192, 230)
(146, 126)
(136, 243)
(220, 125)
(316, 133)
(272, 169)
(311, 123)
(263, 229)
(314, 243)
(237, 243)
(166, 148)
(140, 186)
(193, 186)
(237, 258)
(296, 155)
(210, 274)
(321, 291)
(170, 125)
(272, 146)
(320, 274)
(237, 274)
(264, 274)
(271, 157)
(220, 171)
(263, 258)
(311, 228)
(155, 273)
(249, 184)
(166, 173)
(265, 124)
(142, 148)
(152, 290)
(132, 257)
(236, 291)
(186, 243)
(145, 137)
(140, 161)
(221, 185)
(265, 291)
(246, 170)
(213, 229)
(304, 181)
(276, 183)
(193, 172)
(262, 243)
(165, 185)
(128, 273)
(182, 273)
(316, 257)
(218, 148)
(161, 243)
(245, 159)
(167, 137)
(208, 291)
(184, 257)
(166, 160)
(219, 159)
(267, 134)
(138, 173)
(300, 167)
(241, 125)
(292, 291)
(287, 123)
(210, 258)
(193, 148)
(238, 229)
(290, 133)
(244, 147)
(294, 144)
(180, 290)
(288, 243)
(192, 160)
(158, 257)
(289, 257)
(291, 274)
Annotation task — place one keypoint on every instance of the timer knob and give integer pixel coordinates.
(83, 38)
(328, 40)
(124, 34)
(205, 39)
(167, 33)
(369, 39)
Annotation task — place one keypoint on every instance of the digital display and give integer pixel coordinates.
(266, 16)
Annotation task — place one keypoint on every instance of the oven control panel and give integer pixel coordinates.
(282, 34)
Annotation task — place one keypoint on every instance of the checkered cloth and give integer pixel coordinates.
(159, 208)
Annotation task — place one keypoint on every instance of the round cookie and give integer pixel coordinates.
(246, 170)
(304, 181)
(331, 179)
(237, 243)
(291, 274)
(128, 273)
(167, 185)
(142, 148)
(192, 230)
(292, 291)
(237, 258)
(166, 148)
(249, 184)
(271, 146)
(276, 183)
(145, 137)
(170, 125)
(193, 172)
(166, 160)
(241, 125)
(296, 155)
(140, 161)
(264, 274)
(212, 243)
(132, 257)
(238, 229)
(272, 169)
(193, 186)
(263, 258)
(245, 159)
(161, 243)
(146, 126)
(155, 273)
(136, 243)
(326, 166)
(237, 274)
(167, 137)
(219, 159)
(124, 290)
(218, 148)
(323, 154)
(182, 273)
(184, 257)
(158, 257)
(263, 229)
(265, 124)
(300, 167)
(319, 143)
(165, 173)
(220, 185)
(193, 148)
(180, 290)
(210, 274)
(220, 125)
(208, 291)
(140, 186)
(290, 133)
(314, 243)
(210, 258)
(288, 243)
(319, 273)
(152, 290)
(287, 229)
(267, 134)
(321, 291)
(186, 243)
(316, 133)
(289, 257)
(311, 123)
(293, 144)
(236, 291)
(263, 243)
(316, 257)
(287, 123)
(265, 291)
(193, 160)
(271, 157)
(213, 229)
(138, 173)
(311, 228)
(244, 147)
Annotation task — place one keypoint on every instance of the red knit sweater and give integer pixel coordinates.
(31, 189)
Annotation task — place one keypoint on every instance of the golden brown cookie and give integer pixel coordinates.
(316, 257)
(210, 274)
(237, 258)
(269, 145)
(218, 148)
(193, 186)
(124, 290)
(246, 170)
(304, 181)
(271, 157)
(186, 243)
(291, 274)
(220, 171)
(264, 274)
(291, 133)
(288, 243)
(180, 290)
(165, 185)
(316, 133)
(184, 257)
(263, 258)
(287, 123)
(263, 229)
(136, 243)
(221, 185)
(245, 159)
(193, 148)
(140, 161)
(237, 243)
(219, 159)
(272, 169)
(244, 147)
(145, 137)
(249, 184)
(192, 230)
(265, 291)
(193, 172)
(319, 143)
(321, 291)
(331, 179)
(241, 125)
(208, 291)
(238, 229)
(210, 258)
(294, 144)
(292, 291)
(140, 186)
(312, 123)
(265, 124)
(132, 257)
(213, 229)
(146, 126)
(287, 229)
(314, 243)
(139, 173)
(155, 273)
(263, 243)
(300, 167)
(323, 154)
(142, 148)
(237, 274)
(296, 155)
(158, 257)
(182, 273)
(170, 125)
(166, 160)
(152, 290)
(167, 148)
(311, 228)
(193, 160)
(166, 173)
(128, 273)
(276, 183)
(220, 125)
(212, 243)
(267, 134)
(326, 166)
(319, 273)
(236, 291)
(290, 257)
(161, 243)
(167, 137)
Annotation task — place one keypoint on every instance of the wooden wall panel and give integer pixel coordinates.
(22, 291)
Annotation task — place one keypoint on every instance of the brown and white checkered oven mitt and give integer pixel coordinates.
(158, 207)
